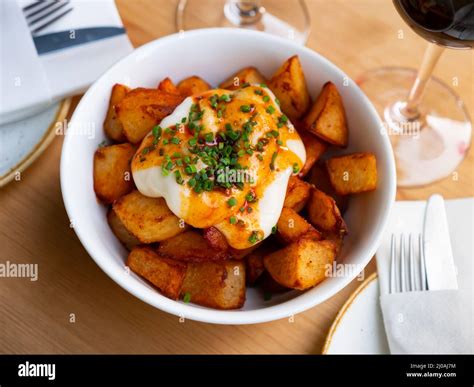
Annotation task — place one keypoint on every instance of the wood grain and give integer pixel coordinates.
(35, 317)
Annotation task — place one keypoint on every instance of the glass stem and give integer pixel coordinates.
(243, 12)
(432, 54)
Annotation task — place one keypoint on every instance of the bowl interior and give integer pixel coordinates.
(215, 55)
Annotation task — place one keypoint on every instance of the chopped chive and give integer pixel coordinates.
(232, 220)
(224, 98)
(272, 163)
(157, 131)
(175, 140)
(209, 137)
(187, 298)
(192, 182)
(270, 110)
(253, 238)
(266, 98)
(274, 229)
(245, 108)
(190, 169)
(296, 168)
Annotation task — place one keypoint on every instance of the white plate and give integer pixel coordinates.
(358, 327)
(21, 142)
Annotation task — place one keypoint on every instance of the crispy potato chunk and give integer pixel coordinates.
(353, 173)
(216, 239)
(122, 234)
(112, 175)
(193, 85)
(324, 214)
(168, 86)
(314, 149)
(297, 194)
(219, 285)
(113, 128)
(246, 75)
(327, 117)
(166, 274)
(291, 227)
(289, 86)
(190, 246)
(319, 177)
(302, 264)
(149, 219)
(142, 109)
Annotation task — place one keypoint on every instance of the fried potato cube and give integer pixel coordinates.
(219, 285)
(289, 86)
(193, 85)
(323, 213)
(302, 264)
(112, 175)
(291, 226)
(122, 234)
(297, 194)
(246, 75)
(353, 173)
(168, 86)
(254, 266)
(166, 274)
(319, 177)
(113, 127)
(314, 149)
(216, 239)
(148, 219)
(327, 117)
(141, 109)
(190, 246)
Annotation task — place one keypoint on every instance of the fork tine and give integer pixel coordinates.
(411, 263)
(36, 10)
(49, 22)
(423, 278)
(50, 12)
(33, 5)
(402, 264)
(392, 265)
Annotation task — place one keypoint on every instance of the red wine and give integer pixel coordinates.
(446, 22)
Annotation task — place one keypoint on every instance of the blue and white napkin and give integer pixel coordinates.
(60, 60)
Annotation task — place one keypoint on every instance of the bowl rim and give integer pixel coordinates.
(235, 317)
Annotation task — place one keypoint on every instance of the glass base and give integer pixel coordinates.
(431, 146)
(288, 19)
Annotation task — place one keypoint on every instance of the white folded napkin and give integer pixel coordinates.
(61, 60)
(430, 322)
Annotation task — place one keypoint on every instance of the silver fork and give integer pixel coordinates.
(42, 13)
(407, 276)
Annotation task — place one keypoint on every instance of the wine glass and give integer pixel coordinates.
(286, 18)
(428, 124)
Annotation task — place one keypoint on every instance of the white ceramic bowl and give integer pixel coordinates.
(214, 54)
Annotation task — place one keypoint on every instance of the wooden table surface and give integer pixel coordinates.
(75, 308)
